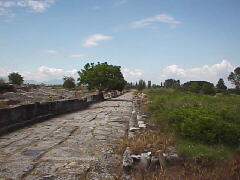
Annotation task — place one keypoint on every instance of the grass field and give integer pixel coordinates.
(206, 128)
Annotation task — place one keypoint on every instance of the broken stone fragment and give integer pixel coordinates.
(162, 160)
(172, 159)
(139, 117)
(154, 162)
(127, 160)
(142, 126)
(145, 116)
(140, 122)
(144, 162)
(126, 177)
(145, 159)
(133, 129)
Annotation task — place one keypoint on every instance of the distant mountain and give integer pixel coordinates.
(50, 82)
(54, 82)
(31, 82)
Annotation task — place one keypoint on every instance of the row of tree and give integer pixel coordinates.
(103, 76)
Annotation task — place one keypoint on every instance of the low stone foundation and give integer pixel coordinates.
(17, 117)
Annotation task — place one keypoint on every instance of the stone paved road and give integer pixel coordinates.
(73, 146)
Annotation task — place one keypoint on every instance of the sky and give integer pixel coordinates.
(151, 40)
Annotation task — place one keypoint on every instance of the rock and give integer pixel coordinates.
(139, 117)
(136, 158)
(144, 163)
(154, 162)
(145, 116)
(127, 160)
(140, 122)
(142, 125)
(173, 159)
(133, 129)
(126, 177)
(145, 160)
(162, 160)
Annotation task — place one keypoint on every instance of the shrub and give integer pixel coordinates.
(15, 78)
(194, 87)
(204, 125)
(208, 89)
(69, 82)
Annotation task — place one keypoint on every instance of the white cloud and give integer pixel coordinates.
(132, 75)
(210, 73)
(37, 6)
(162, 18)
(42, 73)
(5, 71)
(76, 55)
(94, 40)
(5, 12)
(7, 3)
(51, 52)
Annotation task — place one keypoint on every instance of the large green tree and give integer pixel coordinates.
(69, 82)
(172, 83)
(234, 77)
(208, 88)
(15, 78)
(102, 76)
(221, 85)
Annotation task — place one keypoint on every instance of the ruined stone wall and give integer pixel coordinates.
(17, 117)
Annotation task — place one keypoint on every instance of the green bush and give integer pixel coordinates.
(205, 125)
(208, 89)
(69, 82)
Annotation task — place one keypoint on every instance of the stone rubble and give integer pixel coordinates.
(27, 95)
(144, 161)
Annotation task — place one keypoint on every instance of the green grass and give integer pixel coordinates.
(206, 127)
(201, 152)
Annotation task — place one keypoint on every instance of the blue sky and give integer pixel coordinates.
(153, 40)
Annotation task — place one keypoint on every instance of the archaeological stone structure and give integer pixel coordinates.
(77, 145)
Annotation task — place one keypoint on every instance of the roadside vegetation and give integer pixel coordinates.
(206, 127)
(200, 120)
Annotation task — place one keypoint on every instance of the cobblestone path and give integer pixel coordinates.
(73, 146)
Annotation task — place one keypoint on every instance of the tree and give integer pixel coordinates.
(149, 84)
(172, 83)
(69, 82)
(102, 76)
(221, 85)
(141, 85)
(234, 77)
(208, 88)
(15, 78)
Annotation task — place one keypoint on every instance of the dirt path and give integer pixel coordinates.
(73, 146)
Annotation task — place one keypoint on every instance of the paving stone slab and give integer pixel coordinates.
(78, 145)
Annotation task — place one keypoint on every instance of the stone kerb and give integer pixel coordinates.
(17, 117)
